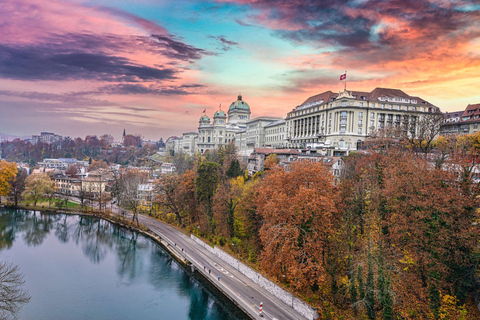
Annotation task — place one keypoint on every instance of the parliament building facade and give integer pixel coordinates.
(331, 123)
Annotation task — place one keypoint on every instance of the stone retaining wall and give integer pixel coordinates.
(298, 305)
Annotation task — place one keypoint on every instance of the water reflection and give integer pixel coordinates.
(136, 260)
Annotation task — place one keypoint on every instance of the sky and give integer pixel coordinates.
(81, 68)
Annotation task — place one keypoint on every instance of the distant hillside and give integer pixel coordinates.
(10, 137)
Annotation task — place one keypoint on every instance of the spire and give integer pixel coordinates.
(124, 132)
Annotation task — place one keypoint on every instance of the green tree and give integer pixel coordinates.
(208, 177)
(37, 186)
(234, 170)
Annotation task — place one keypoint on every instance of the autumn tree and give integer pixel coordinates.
(128, 193)
(131, 140)
(421, 134)
(431, 220)
(106, 140)
(8, 171)
(175, 193)
(37, 186)
(298, 210)
(96, 165)
(17, 186)
(271, 161)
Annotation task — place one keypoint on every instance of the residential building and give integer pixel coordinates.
(452, 122)
(145, 193)
(60, 164)
(463, 122)
(46, 137)
(168, 168)
(256, 161)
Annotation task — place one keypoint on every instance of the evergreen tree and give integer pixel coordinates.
(361, 288)
(387, 302)
(370, 291)
(234, 169)
(353, 291)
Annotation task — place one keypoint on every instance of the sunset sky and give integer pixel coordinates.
(152, 66)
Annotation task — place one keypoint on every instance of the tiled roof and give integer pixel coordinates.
(326, 96)
(386, 92)
(276, 151)
(370, 96)
(472, 111)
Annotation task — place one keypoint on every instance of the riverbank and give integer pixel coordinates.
(238, 287)
(176, 252)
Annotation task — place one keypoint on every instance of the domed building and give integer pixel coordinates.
(221, 131)
(239, 112)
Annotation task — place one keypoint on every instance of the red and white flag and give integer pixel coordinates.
(343, 76)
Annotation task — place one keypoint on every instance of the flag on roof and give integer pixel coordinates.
(343, 76)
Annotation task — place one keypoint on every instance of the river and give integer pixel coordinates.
(81, 267)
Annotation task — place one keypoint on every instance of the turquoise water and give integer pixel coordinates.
(78, 267)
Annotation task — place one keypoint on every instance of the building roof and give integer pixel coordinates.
(220, 113)
(275, 123)
(453, 117)
(204, 118)
(276, 151)
(471, 113)
(239, 104)
(374, 95)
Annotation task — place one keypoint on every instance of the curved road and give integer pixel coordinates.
(234, 284)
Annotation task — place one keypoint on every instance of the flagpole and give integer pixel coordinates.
(345, 80)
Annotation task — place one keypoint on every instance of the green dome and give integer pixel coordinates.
(239, 104)
(220, 113)
(204, 118)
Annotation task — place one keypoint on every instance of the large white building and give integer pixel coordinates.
(333, 123)
(339, 122)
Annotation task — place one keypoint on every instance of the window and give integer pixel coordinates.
(343, 114)
(361, 104)
(359, 130)
(382, 106)
(344, 103)
(208, 139)
(373, 105)
(360, 123)
(390, 106)
(372, 115)
(360, 114)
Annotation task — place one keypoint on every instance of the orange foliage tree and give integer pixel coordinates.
(298, 209)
